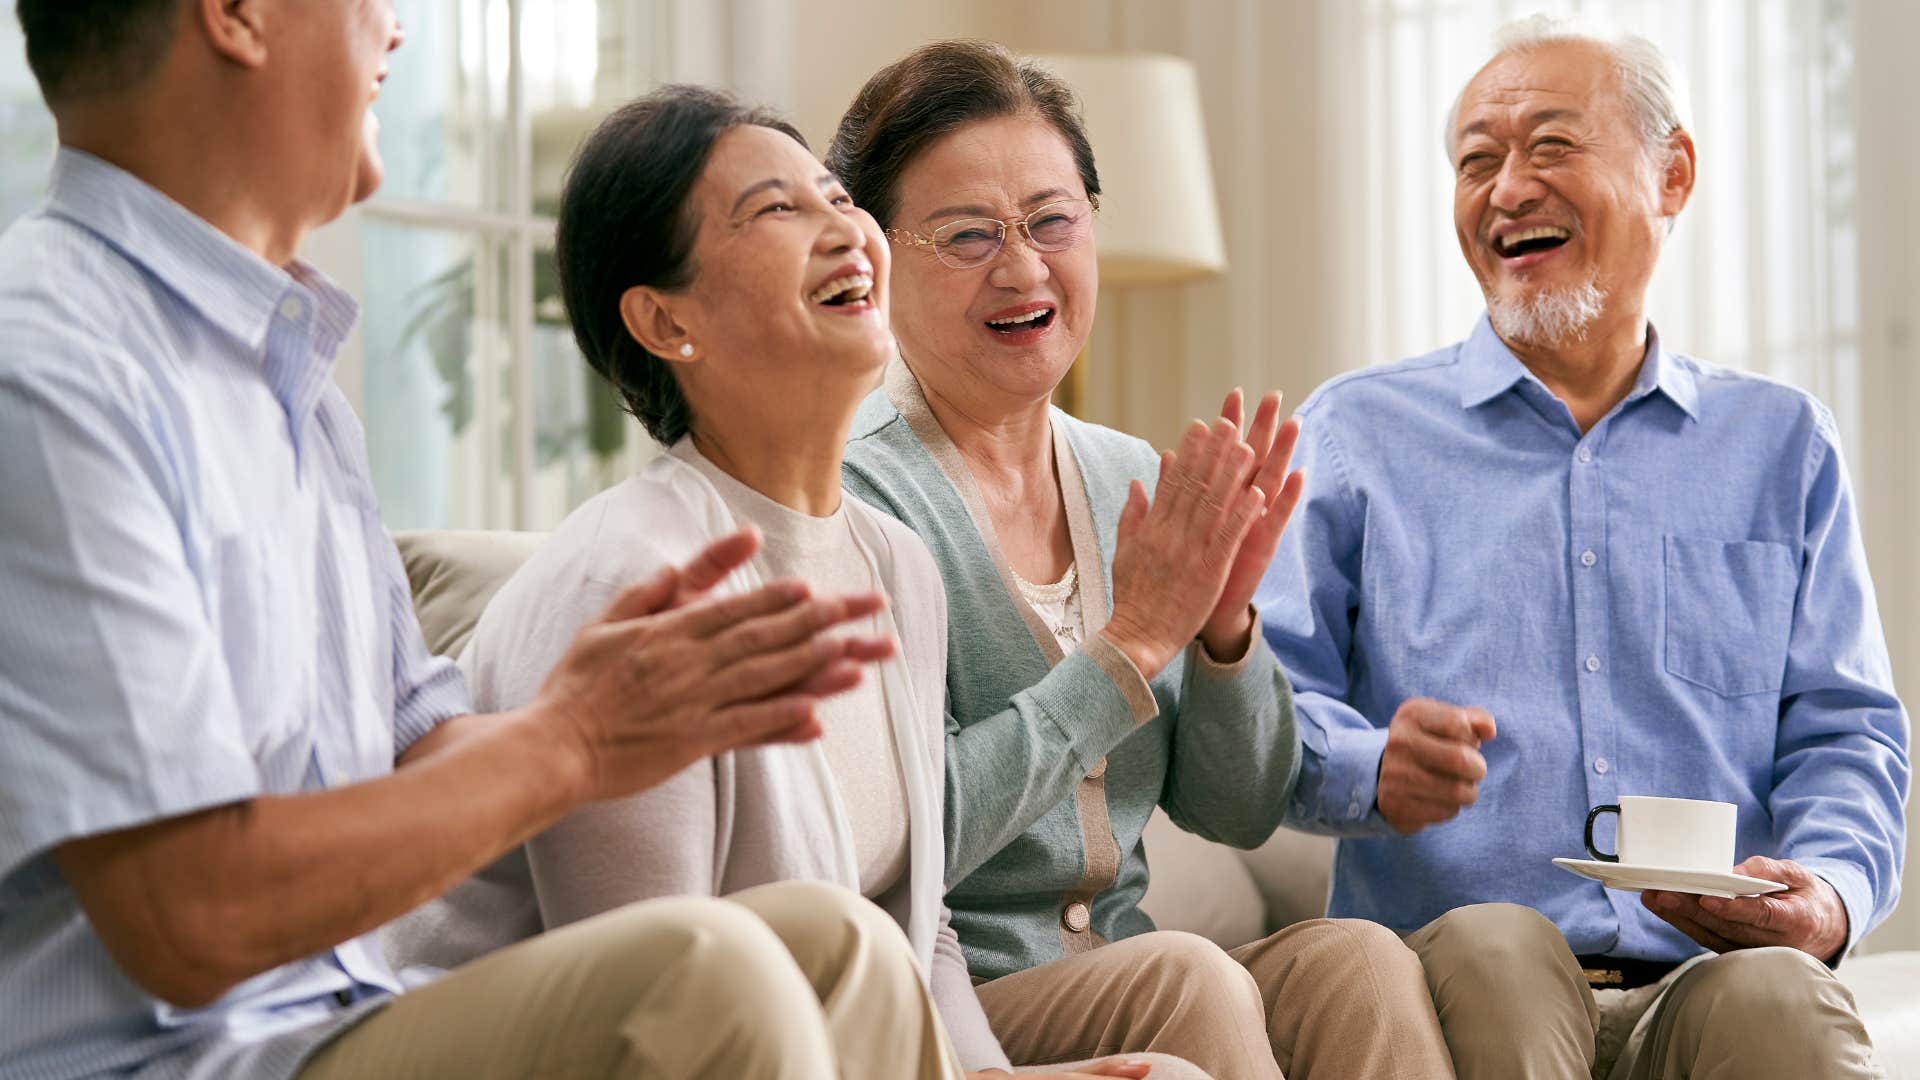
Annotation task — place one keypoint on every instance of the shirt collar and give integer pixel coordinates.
(1489, 369)
(232, 287)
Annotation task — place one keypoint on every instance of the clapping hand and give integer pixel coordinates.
(1228, 631)
(1175, 551)
(670, 674)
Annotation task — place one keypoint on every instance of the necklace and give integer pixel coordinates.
(1056, 604)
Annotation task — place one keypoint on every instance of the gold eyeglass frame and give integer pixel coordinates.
(1007, 225)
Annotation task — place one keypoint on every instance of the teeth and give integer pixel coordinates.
(1542, 232)
(855, 286)
(1017, 320)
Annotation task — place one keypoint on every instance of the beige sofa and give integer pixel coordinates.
(1229, 896)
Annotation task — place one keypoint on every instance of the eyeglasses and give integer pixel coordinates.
(970, 242)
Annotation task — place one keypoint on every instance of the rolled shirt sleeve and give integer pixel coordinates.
(116, 707)
(428, 690)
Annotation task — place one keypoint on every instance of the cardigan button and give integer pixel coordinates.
(1099, 770)
(1076, 917)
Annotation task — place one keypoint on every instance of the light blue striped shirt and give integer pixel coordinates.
(198, 605)
(1674, 603)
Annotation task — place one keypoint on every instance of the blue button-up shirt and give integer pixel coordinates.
(198, 605)
(1674, 603)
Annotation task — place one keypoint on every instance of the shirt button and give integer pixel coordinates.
(1353, 808)
(1585, 455)
(292, 308)
(1099, 770)
(1076, 917)
(1588, 558)
(1593, 663)
(1600, 765)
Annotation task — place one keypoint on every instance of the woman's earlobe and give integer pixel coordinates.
(650, 323)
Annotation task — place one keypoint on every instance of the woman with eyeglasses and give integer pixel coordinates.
(730, 291)
(1104, 656)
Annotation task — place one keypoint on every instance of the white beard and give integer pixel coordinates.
(1547, 318)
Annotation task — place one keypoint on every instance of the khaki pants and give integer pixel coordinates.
(1515, 1007)
(1335, 999)
(795, 981)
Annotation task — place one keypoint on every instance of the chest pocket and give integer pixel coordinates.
(257, 618)
(1729, 613)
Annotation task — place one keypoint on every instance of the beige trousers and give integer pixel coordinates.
(1336, 999)
(794, 981)
(1515, 1007)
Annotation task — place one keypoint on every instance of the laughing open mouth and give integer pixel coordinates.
(1037, 319)
(1531, 241)
(844, 290)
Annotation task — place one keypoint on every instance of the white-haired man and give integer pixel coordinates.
(1646, 568)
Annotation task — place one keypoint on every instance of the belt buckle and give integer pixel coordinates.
(1608, 977)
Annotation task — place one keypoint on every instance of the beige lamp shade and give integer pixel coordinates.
(1159, 223)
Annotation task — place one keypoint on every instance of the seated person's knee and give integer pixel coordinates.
(1499, 939)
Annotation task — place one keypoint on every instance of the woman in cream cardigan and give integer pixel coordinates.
(726, 286)
(1104, 657)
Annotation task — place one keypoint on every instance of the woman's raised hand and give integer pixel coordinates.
(1228, 632)
(1176, 551)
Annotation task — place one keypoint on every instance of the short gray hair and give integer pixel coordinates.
(1647, 84)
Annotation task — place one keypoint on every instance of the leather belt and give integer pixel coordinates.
(1622, 973)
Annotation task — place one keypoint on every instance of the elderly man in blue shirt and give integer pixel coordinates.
(226, 757)
(1558, 563)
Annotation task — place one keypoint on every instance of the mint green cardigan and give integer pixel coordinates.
(1055, 763)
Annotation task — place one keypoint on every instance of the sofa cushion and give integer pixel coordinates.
(1199, 886)
(454, 574)
(1883, 986)
(1293, 871)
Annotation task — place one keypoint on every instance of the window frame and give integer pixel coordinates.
(505, 424)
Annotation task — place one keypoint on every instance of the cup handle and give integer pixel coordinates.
(1613, 808)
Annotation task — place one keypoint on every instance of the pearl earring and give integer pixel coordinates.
(687, 350)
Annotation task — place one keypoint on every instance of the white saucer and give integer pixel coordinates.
(1631, 877)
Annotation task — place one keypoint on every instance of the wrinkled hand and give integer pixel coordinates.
(1228, 632)
(1173, 553)
(1807, 916)
(1432, 766)
(650, 687)
(1134, 1070)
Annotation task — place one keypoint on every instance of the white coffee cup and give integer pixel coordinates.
(1680, 834)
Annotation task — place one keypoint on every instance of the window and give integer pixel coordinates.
(26, 130)
(1762, 268)
(480, 412)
